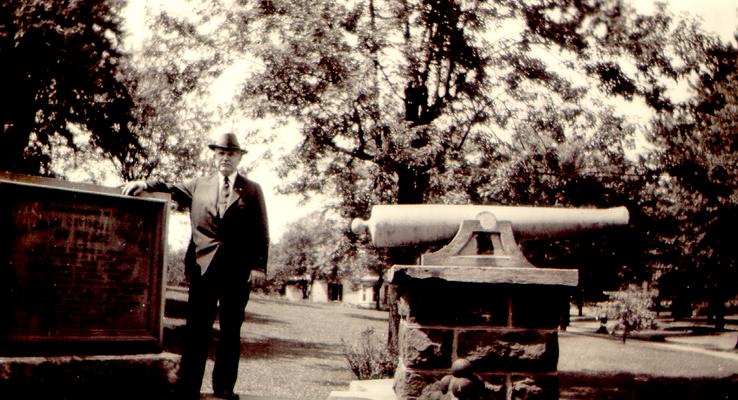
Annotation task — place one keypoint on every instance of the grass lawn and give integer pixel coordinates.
(294, 351)
(605, 368)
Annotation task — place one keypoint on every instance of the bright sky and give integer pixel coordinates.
(719, 16)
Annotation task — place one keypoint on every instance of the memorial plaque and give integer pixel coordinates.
(81, 268)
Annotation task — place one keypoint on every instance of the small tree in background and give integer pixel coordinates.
(311, 247)
(630, 310)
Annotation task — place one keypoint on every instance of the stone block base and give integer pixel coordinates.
(410, 384)
(474, 339)
(376, 389)
(86, 377)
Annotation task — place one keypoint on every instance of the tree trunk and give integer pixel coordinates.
(411, 186)
(681, 307)
(378, 292)
(12, 147)
(397, 256)
(579, 300)
(394, 318)
(718, 311)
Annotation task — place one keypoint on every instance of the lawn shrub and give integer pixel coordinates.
(630, 310)
(370, 357)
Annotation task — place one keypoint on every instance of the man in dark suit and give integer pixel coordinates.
(226, 254)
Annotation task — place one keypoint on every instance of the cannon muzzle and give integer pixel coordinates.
(409, 224)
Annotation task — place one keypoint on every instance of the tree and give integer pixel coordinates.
(581, 171)
(309, 248)
(429, 101)
(443, 101)
(64, 82)
(697, 154)
(174, 92)
(315, 247)
(398, 100)
(407, 101)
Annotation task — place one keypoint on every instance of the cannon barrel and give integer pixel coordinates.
(408, 224)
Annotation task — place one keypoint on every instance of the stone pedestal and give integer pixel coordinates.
(479, 332)
(81, 269)
(140, 376)
(82, 272)
(477, 320)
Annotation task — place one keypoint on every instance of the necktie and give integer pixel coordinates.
(225, 191)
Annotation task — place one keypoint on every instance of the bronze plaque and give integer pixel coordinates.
(81, 270)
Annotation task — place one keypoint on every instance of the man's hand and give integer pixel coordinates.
(134, 188)
(257, 278)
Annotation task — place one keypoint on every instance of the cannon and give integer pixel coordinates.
(477, 301)
(403, 225)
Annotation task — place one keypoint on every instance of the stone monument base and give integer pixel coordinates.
(86, 377)
(377, 389)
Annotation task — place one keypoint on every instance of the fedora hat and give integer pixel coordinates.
(227, 141)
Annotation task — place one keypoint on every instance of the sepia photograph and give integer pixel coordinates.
(368, 199)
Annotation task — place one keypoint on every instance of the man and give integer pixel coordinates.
(227, 253)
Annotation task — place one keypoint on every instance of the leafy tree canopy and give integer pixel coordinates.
(420, 101)
(417, 101)
(64, 83)
(310, 247)
(697, 155)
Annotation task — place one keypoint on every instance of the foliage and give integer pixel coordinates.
(447, 101)
(630, 310)
(409, 102)
(589, 170)
(172, 95)
(175, 267)
(65, 84)
(319, 246)
(370, 358)
(696, 155)
(311, 247)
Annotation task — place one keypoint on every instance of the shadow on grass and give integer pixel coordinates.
(368, 317)
(696, 330)
(252, 318)
(290, 349)
(332, 367)
(269, 348)
(303, 303)
(623, 386)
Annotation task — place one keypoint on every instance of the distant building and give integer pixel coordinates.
(296, 288)
(363, 294)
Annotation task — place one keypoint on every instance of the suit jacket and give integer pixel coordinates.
(240, 237)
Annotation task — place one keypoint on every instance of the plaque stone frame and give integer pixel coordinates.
(82, 268)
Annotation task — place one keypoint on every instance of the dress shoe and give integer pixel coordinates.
(184, 395)
(226, 395)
